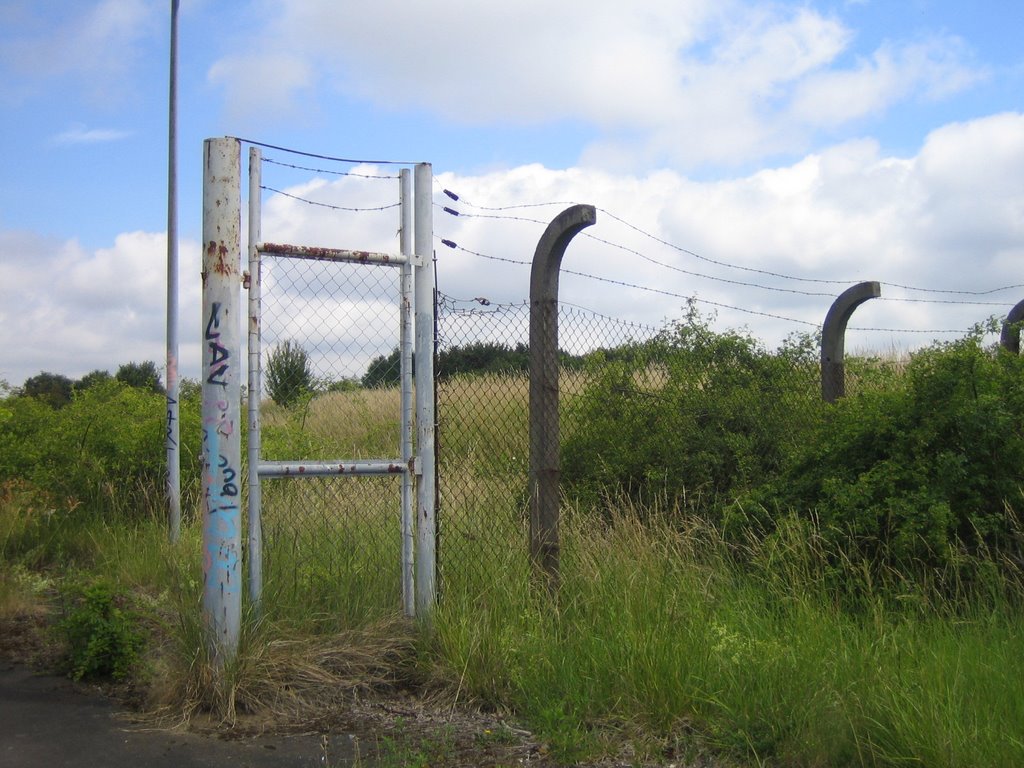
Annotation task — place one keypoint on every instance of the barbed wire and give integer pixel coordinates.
(661, 291)
(332, 158)
(329, 205)
(326, 170)
(686, 251)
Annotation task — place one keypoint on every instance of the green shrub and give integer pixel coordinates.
(289, 374)
(912, 471)
(106, 449)
(53, 389)
(695, 416)
(101, 637)
(141, 375)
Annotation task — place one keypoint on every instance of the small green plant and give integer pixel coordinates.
(289, 374)
(102, 640)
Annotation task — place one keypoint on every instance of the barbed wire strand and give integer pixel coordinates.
(452, 244)
(331, 158)
(328, 205)
(639, 230)
(326, 170)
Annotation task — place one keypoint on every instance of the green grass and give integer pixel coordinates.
(666, 635)
(661, 638)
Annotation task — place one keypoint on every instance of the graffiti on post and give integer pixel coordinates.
(222, 487)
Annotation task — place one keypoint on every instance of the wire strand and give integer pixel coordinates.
(328, 205)
(353, 161)
(728, 265)
(326, 170)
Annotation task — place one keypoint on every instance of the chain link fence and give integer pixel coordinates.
(331, 544)
(483, 424)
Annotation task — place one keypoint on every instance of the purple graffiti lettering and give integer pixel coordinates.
(219, 355)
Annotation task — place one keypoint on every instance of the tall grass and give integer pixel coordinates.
(663, 636)
(667, 638)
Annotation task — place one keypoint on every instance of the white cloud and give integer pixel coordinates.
(67, 310)
(80, 134)
(688, 83)
(950, 217)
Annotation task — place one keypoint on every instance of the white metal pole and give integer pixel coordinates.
(405, 375)
(173, 421)
(221, 449)
(255, 385)
(426, 520)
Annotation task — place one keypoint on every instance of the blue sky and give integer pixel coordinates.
(843, 139)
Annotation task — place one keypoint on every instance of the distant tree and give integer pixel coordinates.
(141, 376)
(289, 374)
(52, 388)
(189, 389)
(91, 379)
(383, 371)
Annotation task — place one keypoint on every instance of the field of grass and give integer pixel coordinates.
(668, 640)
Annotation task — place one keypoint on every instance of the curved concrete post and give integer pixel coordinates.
(1010, 336)
(833, 337)
(545, 466)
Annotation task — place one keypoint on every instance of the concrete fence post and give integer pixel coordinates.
(545, 466)
(833, 338)
(1009, 338)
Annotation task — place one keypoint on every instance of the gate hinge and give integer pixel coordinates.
(246, 280)
(417, 465)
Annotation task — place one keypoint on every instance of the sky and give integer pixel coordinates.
(755, 157)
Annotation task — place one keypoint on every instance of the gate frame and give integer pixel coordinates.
(416, 285)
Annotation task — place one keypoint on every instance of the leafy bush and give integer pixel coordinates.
(289, 374)
(141, 375)
(934, 460)
(50, 388)
(106, 449)
(697, 416)
(92, 378)
(101, 637)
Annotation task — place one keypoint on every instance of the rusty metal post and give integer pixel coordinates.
(1009, 338)
(405, 343)
(545, 466)
(426, 485)
(833, 337)
(255, 378)
(221, 448)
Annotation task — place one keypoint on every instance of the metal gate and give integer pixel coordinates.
(327, 531)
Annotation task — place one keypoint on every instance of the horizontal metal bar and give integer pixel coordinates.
(347, 467)
(332, 254)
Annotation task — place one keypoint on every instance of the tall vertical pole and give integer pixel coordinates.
(255, 384)
(426, 520)
(545, 462)
(221, 449)
(173, 421)
(405, 375)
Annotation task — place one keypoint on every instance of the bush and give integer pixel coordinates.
(695, 416)
(935, 460)
(141, 376)
(101, 638)
(106, 449)
(289, 374)
(50, 388)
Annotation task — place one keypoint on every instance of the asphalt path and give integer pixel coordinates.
(50, 721)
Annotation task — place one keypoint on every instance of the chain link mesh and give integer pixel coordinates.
(483, 424)
(331, 545)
